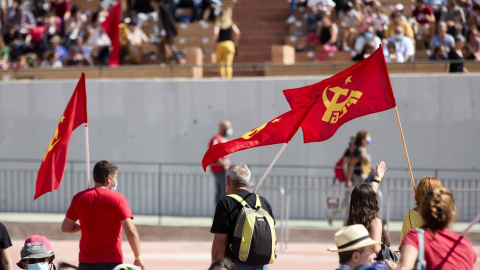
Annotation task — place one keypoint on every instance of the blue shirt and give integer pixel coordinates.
(448, 42)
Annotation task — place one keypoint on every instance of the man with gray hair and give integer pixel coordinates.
(237, 182)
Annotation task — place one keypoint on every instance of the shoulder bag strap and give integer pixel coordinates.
(421, 264)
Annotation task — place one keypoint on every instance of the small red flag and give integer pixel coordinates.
(279, 130)
(113, 31)
(362, 89)
(53, 165)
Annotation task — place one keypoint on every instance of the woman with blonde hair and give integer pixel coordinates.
(412, 218)
(225, 42)
(442, 248)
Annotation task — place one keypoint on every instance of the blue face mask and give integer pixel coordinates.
(368, 140)
(398, 37)
(38, 266)
(368, 35)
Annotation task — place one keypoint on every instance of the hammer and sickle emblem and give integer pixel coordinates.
(254, 131)
(54, 140)
(338, 109)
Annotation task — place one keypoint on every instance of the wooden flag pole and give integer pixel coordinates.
(474, 221)
(292, 133)
(87, 155)
(270, 167)
(405, 149)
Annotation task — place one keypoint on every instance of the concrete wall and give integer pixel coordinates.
(172, 120)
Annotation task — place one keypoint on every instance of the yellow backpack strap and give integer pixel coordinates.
(258, 204)
(238, 199)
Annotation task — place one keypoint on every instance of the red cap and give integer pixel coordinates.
(39, 238)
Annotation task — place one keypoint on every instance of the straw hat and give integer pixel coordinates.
(351, 238)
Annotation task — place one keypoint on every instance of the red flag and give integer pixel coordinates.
(362, 89)
(111, 27)
(53, 165)
(279, 130)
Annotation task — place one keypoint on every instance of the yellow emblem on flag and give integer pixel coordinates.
(335, 110)
(254, 131)
(54, 139)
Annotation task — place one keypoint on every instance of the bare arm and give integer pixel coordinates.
(133, 240)
(375, 233)
(70, 226)
(5, 259)
(379, 172)
(408, 258)
(218, 246)
(236, 31)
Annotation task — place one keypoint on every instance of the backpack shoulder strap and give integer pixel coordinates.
(258, 203)
(420, 264)
(239, 199)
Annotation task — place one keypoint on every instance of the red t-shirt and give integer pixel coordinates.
(100, 212)
(444, 250)
(214, 167)
(420, 15)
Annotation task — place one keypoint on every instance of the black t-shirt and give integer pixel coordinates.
(5, 241)
(226, 215)
(455, 67)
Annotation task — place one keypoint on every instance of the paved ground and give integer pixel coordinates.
(187, 255)
(163, 249)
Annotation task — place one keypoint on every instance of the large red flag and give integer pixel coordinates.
(362, 89)
(111, 27)
(279, 130)
(53, 165)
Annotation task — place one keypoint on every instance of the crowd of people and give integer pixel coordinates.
(445, 29)
(55, 33)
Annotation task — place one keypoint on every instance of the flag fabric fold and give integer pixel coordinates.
(53, 165)
(279, 130)
(362, 89)
(111, 26)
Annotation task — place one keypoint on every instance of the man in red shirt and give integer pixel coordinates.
(423, 22)
(220, 167)
(102, 213)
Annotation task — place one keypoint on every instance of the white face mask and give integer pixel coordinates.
(114, 188)
(38, 266)
(229, 132)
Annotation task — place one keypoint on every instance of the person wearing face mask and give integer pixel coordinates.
(34, 256)
(369, 35)
(102, 213)
(403, 44)
(359, 168)
(220, 167)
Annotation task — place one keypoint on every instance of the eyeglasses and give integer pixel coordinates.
(35, 260)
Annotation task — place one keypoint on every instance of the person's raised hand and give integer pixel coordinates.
(380, 169)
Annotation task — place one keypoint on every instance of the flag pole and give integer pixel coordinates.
(474, 221)
(270, 167)
(87, 155)
(405, 149)
(294, 130)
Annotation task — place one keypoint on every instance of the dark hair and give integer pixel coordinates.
(102, 170)
(361, 135)
(345, 256)
(396, 14)
(224, 262)
(364, 208)
(74, 10)
(437, 209)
